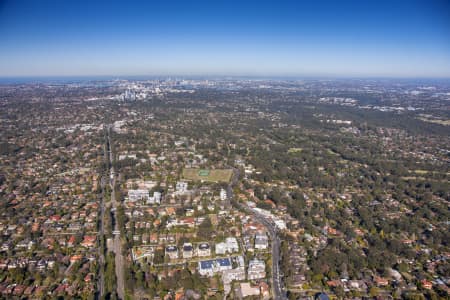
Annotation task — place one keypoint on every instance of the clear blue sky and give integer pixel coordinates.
(390, 38)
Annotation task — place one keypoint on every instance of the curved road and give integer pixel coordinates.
(101, 235)
(277, 282)
(119, 261)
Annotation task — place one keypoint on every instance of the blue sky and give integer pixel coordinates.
(257, 38)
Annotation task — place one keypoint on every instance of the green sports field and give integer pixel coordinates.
(216, 175)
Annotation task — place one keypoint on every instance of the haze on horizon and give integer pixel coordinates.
(254, 38)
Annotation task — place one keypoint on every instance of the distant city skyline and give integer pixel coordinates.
(225, 38)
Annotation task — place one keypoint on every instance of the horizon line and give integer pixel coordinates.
(221, 76)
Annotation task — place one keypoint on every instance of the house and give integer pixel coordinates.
(61, 288)
(5, 246)
(29, 290)
(19, 289)
(205, 268)
(239, 261)
(35, 227)
(170, 211)
(88, 241)
(248, 245)
(171, 222)
(229, 246)
(265, 290)
(189, 222)
(187, 250)
(71, 241)
(41, 265)
(50, 263)
(203, 250)
(357, 285)
(172, 252)
(154, 238)
(9, 289)
(127, 156)
(179, 296)
(261, 241)
(426, 284)
(380, 281)
(334, 283)
(256, 269)
(75, 258)
(210, 267)
(155, 199)
(223, 264)
(54, 218)
(280, 224)
(270, 202)
(76, 226)
(181, 187)
(247, 290)
(88, 277)
(223, 195)
(332, 231)
(3, 264)
(40, 290)
(12, 265)
(234, 274)
(138, 194)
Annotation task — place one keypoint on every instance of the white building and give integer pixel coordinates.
(187, 250)
(156, 199)
(203, 250)
(181, 187)
(256, 269)
(127, 156)
(129, 95)
(139, 194)
(172, 252)
(261, 241)
(237, 274)
(232, 243)
(223, 195)
(280, 224)
(210, 267)
(178, 143)
(229, 246)
(240, 261)
(247, 290)
(221, 248)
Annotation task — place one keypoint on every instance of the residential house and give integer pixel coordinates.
(229, 246)
(203, 250)
(256, 269)
(187, 250)
(247, 290)
(210, 267)
(172, 252)
(261, 241)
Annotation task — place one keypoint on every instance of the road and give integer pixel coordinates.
(101, 235)
(119, 260)
(277, 281)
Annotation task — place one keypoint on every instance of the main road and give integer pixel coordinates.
(101, 235)
(277, 280)
(119, 261)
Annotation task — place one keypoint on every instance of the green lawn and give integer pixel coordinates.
(294, 150)
(213, 175)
